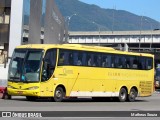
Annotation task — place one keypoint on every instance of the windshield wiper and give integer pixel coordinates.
(15, 79)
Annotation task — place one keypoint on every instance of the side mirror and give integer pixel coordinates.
(6, 60)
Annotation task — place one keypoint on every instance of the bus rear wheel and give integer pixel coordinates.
(59, 94)
(122, 95)
(132, 95)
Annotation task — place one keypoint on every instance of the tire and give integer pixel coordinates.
(122, 95)
(31, 98)
(132, 95)
(59, 94)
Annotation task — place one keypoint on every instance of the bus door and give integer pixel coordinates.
(47, 75)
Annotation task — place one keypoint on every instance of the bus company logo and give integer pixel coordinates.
(6, 114)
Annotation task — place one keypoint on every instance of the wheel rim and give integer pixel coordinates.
(123, 95)
(58, 94)
(132, 95)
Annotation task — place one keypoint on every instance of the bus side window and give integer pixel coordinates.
(98, 60)
(105, 62)
(120, 62)
(149, 63)
(135, 63)
(127, 63)
(116, 62)
(70, 59)
(124, 62)
(93, 60)
(84, 59)
(89, 61)
(79, 62)
(61, 59)
(141, 63)
(112, 61)
(76, 59)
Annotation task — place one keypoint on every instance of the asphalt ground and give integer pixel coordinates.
(142, 104)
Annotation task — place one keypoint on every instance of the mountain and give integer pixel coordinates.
(92, 18)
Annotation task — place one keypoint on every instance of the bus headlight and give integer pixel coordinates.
(32, 88)
(11, 87)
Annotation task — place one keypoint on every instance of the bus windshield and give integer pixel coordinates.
(25, 65)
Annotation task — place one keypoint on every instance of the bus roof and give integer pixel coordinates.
(81, 47)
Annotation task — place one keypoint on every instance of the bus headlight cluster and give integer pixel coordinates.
(33, 88)
(11, 87)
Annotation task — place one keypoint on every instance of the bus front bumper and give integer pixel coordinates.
(19, 92)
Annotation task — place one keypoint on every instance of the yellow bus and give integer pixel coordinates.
(70, 70)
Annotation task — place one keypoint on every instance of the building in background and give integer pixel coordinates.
(36, 16)
(43, 15)
(5, 7)
(5, 11)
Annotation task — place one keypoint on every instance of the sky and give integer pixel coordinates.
(149, 8)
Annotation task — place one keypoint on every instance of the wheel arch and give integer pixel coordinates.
(124, 87)
(62, 86)
(134, 87)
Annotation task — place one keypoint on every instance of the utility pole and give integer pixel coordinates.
(140, 32)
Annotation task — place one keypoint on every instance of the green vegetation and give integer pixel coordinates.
(103, 18)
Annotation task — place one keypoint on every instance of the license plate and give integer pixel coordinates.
(20, 92)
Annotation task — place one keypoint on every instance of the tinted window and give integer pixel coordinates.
(105, 60)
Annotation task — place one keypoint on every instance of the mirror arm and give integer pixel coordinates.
(6, 60)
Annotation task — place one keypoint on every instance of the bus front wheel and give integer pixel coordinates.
(122, 95)
(59, 94)
(132, 95)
